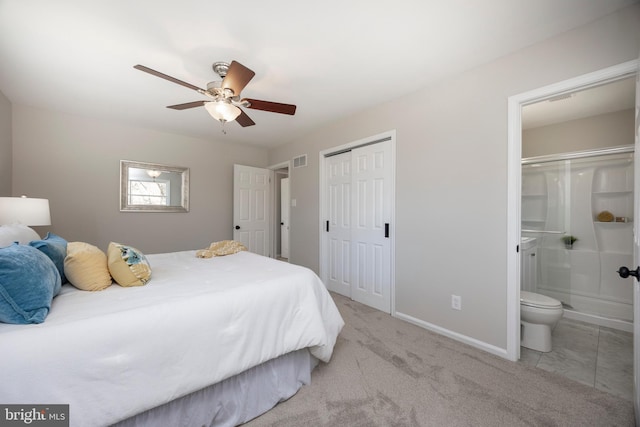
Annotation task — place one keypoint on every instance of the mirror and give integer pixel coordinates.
(152, 187)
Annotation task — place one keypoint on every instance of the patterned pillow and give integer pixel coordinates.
(226, 247)
(127, 265)
(86, 267)
(28, 282)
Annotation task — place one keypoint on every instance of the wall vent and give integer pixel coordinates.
(300, 161)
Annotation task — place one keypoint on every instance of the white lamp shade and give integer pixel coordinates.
(222, 111)
(24, 210)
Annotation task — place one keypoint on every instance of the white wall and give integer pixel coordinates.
(5, 146)
(74, 162)
(451, 208)
(605, 130)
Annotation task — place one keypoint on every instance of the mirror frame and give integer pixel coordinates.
(125, 165)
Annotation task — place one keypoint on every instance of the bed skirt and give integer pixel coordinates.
(235, 400)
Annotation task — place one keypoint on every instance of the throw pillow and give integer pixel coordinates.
(226, 247)
(28, 282)
(55, 247)
(86, 267)
(11, 233)
(127, 265)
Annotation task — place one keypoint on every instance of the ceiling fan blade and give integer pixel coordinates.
(244, 120)
(187, 105)
(166, 77)
(237, 77)
(274, 107)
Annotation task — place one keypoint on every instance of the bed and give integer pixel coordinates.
(214, 341)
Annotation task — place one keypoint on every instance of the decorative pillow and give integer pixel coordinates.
(28, 282)
(86, 267)
(226, 247)
(9, 234)
(127, 265)
(55, 247)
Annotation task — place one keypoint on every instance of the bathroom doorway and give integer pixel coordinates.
(541, 186)
(577, 200)
(515, 105)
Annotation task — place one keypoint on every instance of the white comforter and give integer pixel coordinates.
(114, 353)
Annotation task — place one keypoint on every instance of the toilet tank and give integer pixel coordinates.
(528, 264)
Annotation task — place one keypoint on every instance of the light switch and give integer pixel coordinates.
(293, 203)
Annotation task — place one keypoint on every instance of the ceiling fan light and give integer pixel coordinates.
(153, 173)
(222, 111)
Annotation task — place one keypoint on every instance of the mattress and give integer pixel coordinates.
(119, 352)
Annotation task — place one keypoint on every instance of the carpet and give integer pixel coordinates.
(387, 372)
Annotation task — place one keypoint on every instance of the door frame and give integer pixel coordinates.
(275, 201)
(514, 175)
(323, 261)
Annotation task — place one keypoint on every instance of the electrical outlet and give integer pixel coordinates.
(456, 302)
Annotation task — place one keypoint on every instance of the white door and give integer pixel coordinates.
(357, 229)
(371, 222)
(284, 217)
(251, 198)
(636, 258)
(338, 223)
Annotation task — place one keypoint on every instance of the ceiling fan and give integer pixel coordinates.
(225, 101)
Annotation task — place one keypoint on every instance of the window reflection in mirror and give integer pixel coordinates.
(152, 187)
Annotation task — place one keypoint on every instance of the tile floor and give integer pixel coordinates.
(594, 355)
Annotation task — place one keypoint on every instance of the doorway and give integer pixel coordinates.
(281, 227)
(516, 104)
(514, 186)
(259, 209)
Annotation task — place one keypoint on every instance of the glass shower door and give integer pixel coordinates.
(546, 221)
(579, 211)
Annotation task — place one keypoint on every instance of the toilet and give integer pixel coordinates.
(538, 315)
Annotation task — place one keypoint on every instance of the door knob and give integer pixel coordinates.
(237, 227)
(624, 272)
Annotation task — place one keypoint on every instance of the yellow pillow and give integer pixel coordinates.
(127, 265)
(86, 267)
(226, 247)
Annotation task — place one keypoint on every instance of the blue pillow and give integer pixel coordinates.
(28, 282)
(55, 247)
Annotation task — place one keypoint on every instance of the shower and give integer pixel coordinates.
(577, 220)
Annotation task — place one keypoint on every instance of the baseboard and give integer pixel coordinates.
(501, 352)
(622, 325)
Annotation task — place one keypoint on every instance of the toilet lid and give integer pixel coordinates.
(537, 300)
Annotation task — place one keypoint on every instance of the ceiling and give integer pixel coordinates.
(331, 58)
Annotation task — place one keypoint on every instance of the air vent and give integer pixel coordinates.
(300, 161)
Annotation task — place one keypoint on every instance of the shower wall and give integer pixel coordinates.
(565, 197)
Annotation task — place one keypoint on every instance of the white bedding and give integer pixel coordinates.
(115, 353)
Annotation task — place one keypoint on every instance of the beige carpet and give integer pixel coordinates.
(386, 372)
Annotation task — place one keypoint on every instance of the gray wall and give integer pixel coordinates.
(605, 130)
(5, 146)
(451, 180)
(74, 162)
